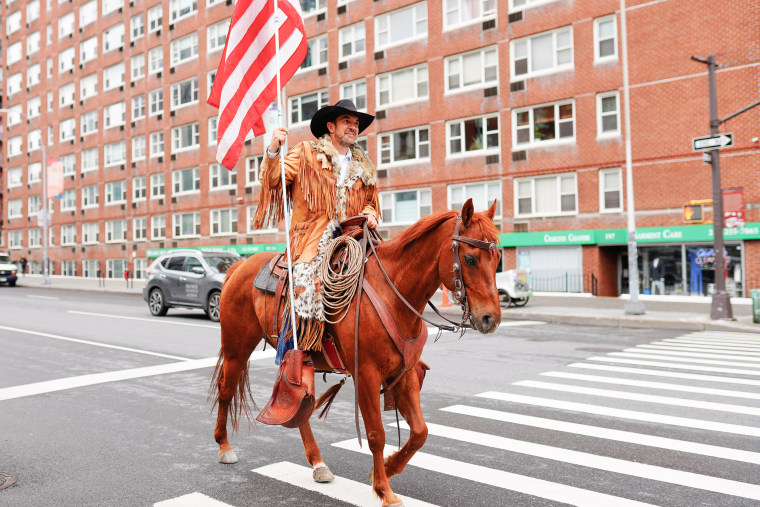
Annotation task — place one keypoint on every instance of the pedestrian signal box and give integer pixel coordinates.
(693, 213)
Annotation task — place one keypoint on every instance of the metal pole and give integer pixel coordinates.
(721, 302)
(47, 215)
(633, 306)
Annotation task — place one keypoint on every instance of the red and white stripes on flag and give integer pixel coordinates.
(246, 81)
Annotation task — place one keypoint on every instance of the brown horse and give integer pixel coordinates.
(418, 261)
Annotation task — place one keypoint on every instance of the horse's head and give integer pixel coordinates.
(469, 269)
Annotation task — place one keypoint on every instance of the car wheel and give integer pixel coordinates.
(156, 303)
(504, 298)
(521, 302)
(212, 306)
(12, 284)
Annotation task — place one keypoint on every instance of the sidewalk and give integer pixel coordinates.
(662, 312)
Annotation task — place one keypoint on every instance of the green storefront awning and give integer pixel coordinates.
(240, 249)
(676, 234)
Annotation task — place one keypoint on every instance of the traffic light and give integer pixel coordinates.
(693, 213)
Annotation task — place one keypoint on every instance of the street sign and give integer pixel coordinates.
(43, 217)
(715, 142)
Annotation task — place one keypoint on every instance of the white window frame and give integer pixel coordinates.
(15, 240)
(113, 77)
(155, 60)
(600, 115)
(157, 227)
(14, 115)
(138, 107)
(421, 77)
(177, 181)
(67, 129)
(14, 53)
(176, 93)
(88, 13)
(484, 150)
(220, 178)
(156, 144)
(66, 25)
(155, 18)
(113, 228)
(213, 131)
(532, 143)
(383, 25)
(33, 75)
(88, 86)
(317, 47)
(140, 229)
(178, 137)
(487, 77)
(90, 196)
(90, 163)
(113, 38)
(107, 151)
(303, 119)
(138, 148)
(178, 46)
(521, 5)
(177, 225)
(15, 208)
(33, 107)
(14, 84)
(250, 212)
(216, 35)
(66, 95)
(111, 190)
(114, 115)
(15, 177)
(482, 201)
(252, 168)
(157, 182)
(423, 194)
(86, 125)
(156, 102)
(32, 43)
(556, 66)
(598, 59)
(350, 32)
(553, 213)
(137, 67)
(110, 6)
(88, 49)
(319, 7)
(68, 234)
(487, 10)
(136, 27)
(69, 200)
(419, 143)
(176, 8)
(66, 59)
(602, 190)
(353, 96)
(223, 222)
(139, 188)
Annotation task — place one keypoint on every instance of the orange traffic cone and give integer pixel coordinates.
(445, 298)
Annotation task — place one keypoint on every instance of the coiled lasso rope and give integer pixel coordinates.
(339, 285)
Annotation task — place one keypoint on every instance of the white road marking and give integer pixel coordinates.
(725, 335)
(512, 323)
(688, 347)
(670, 374)
(50, 386)
(342, 489)
(661, 351)
(43, 297)
(654, 385)
(714, 369)
(609, 434)
(648, 398)
(192, 500)
(684, 422)
(155, 320)
(663, 357)
(717, 341)
(620, 466)
(505, 480)
(706, 343)
(88, 342)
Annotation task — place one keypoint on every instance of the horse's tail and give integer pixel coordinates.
(240, 400)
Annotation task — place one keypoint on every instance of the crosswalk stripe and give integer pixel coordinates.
(684, 422)
(708, 343)
(630, 437)
(689, 347)
(665, 357)
(714, 369)
(716, 341)
(649, 398)
(726, 335)
(670, 374)
(620, 466)
(663, 351)
(504, 480)
(345, 490)
(192, 500)
(654, 385)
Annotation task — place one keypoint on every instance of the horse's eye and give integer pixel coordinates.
(470, 259)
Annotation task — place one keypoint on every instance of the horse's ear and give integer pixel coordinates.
(467, 211)
(491, 212)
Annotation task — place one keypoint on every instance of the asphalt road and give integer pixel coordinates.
(102, 404)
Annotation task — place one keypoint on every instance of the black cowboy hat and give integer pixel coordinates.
(329, 113)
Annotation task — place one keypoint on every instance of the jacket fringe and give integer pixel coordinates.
(310, 332)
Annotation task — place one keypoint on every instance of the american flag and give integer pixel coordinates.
(246, 81)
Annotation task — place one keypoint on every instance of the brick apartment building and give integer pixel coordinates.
(515, 100)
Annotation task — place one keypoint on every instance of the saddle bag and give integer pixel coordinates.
(292, 400)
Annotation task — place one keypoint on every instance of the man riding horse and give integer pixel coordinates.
(327, 181)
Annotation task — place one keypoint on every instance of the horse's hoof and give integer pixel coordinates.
(228, 457)
(323, 474)
(397, 504)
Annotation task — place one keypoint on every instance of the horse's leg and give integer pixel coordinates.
(369, 402)
(229, 381)
(321, 472)
(407, 396)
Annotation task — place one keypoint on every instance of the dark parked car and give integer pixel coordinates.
(187, 279)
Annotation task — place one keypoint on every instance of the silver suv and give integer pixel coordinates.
(187, 279)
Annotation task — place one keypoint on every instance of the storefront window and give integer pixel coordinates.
(701, 270)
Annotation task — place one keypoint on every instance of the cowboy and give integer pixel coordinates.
(328, 180)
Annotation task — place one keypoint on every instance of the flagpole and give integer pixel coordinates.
(283, 152)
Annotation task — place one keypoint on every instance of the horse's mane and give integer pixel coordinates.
(430, 222)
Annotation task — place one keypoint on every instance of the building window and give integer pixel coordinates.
(157, 227)
(114, 115)
(210, 81)
(607, 123)
(67, 129)
(184, 93)
(136, 27)
(69, 200)
(187, 225)
(184, 49)
(546, 196)
(15, 208)
(69, 162)
(156, 101)
(352, 41)
(312, 7)
(223, 222)
(179, 9)
(155, 15)
(138, 107)
(185, 137)
(13, 22)
(116, 231)
(33, 75)
(113, 76)
(303, 107)
(14, 83)
(88, 50)
(409, 145)
(212, 130)
(110, 6)
(473, 136)
(217, 35)
(459, 13)
(15, 239)
(68, 234)
(69, 268)
(34, 140)
(401, 26)
(34, 172)
(316, 53)
(15, 177)
(482, 195)
(138, 149)
(137, 67)
(541, 54)
(35, 238)
(610, 190)
(519, 5)
(250, 213)
(14, 53)
(356, 92)
(66, 25)
(88, 86)
(139, 229)
(543, 124)
(113, 38)
(157, 144)
(185, 181)
(91, 268)
(406, 206)
(14, 146)
(32, 43)
(90, 160)
(476, 69)
(33, 107)
(156, 60)
(66, 60)
(402, 86)
(221, 178)
(605, 39)
(90, 196)
(33, 11)
(115, 153)
(116, 192)
(88, 13)
(66, 95)
(157, 186)
(252, 166)
(33, 205)
(14, 115)
(89, 123)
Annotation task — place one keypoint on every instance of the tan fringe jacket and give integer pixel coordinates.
(311, 180)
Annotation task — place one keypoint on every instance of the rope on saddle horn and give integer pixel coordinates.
(340, 282)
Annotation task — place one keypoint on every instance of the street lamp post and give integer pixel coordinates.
(45, 214)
